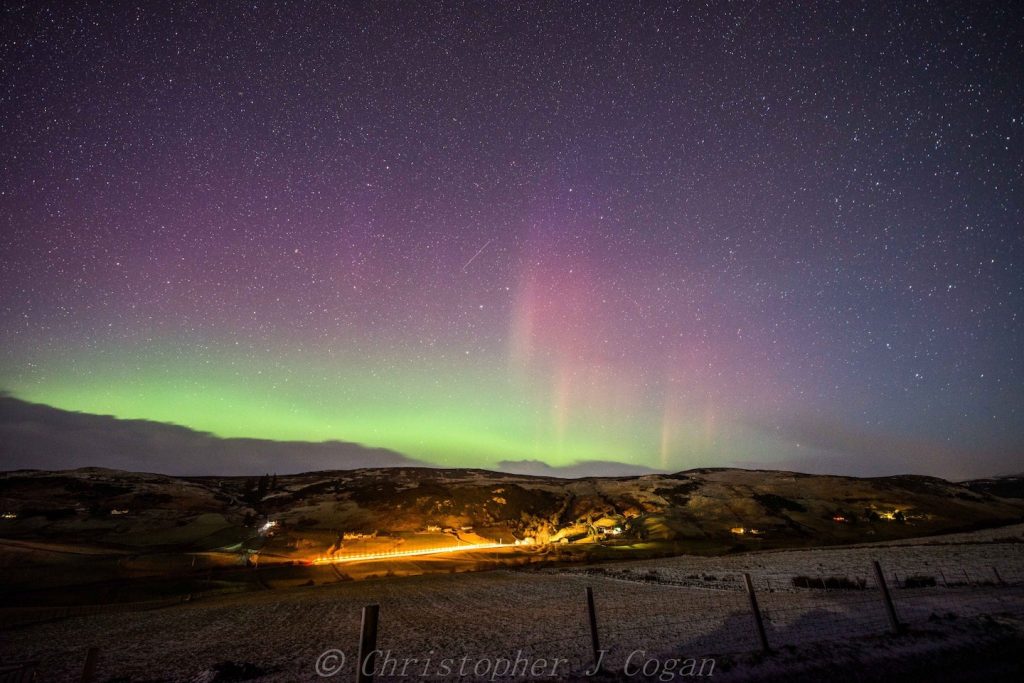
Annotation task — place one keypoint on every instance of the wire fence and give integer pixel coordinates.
(637, 616)
(935, 592)
(503, 624)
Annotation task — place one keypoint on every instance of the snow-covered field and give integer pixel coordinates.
(684, 606)
(952, 555)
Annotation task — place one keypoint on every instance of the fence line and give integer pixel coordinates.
(754, 613)
(605, 614)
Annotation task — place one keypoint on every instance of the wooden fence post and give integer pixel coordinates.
(595, 643)
(89, 669)
(756, 611)
(367, 644)
(890, 609)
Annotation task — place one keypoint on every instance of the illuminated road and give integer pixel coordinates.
(392, 554)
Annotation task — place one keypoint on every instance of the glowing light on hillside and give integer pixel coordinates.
(393, 554)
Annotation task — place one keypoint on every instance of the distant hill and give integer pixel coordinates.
(706, 510)
(34, 436)
(1011, 486)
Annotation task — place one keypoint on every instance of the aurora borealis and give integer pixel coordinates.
(662, 234)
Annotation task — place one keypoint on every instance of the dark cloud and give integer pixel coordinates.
(34, 436)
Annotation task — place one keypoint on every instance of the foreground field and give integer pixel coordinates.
(678, 607)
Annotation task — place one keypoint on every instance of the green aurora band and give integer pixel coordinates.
(458, 414)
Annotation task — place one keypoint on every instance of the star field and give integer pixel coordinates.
(665, 234)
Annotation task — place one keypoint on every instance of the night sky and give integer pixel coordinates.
(670, 235)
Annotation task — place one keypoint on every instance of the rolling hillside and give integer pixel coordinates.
(725, 508)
